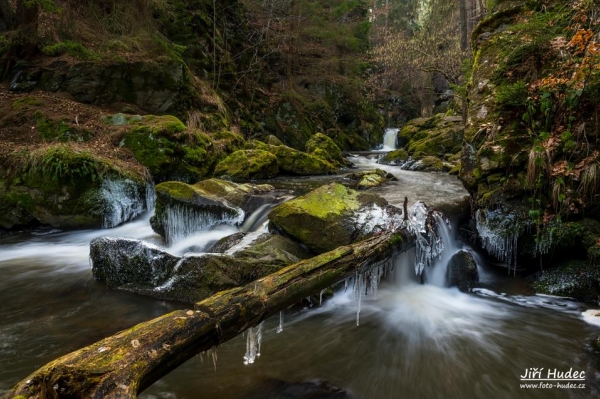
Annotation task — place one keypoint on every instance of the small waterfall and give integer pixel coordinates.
(124, 200)
(390, 138)
(182, 221)
(436, 274)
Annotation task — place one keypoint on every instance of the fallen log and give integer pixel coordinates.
(124, 364)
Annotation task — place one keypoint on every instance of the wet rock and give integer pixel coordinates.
(247, 165)
(397, 157)
(575, 279)
(462, 271)
(182, 209)
(226, 243)
(371, 178)
(143, 268)
(332, 216)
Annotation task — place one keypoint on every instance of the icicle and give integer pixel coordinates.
(428, 243)
(359, 288)
(123, 200)
(213, 354)
(499, 234)
(253, 342)
(181, 221)
(280, 327)
(321, 296)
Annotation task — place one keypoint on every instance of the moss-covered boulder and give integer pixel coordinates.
(429, 164)
(182, 209)
(371, 178)
(64, 187)
(332, 216)
(325, 148)
(166, 147)
(462, 271)
(244, 165)
(396, 157)
(444, 137)
(300, 163)
(575, 279)
(257, 145)
(139, 267)
(273, 140)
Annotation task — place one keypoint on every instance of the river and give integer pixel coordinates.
(413, 341)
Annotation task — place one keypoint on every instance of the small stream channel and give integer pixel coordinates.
(414, 341)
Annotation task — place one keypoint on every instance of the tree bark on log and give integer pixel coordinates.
(124, 364)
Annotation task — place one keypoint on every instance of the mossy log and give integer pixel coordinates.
(126, 363)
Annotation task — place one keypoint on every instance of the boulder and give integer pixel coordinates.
(299, 163)
(332, 216)
(139, 267)
(325, 148)
(244, 165)
(396, 157)
(462, 271)
(371, 178)
(257, 145)
(575, 279)
(273, 140)
(182, 209)
(226, 243)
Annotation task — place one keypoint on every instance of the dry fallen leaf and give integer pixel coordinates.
(135, 343)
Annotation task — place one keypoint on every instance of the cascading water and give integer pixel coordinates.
(390, 138)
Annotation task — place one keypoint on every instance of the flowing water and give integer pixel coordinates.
(412, 341)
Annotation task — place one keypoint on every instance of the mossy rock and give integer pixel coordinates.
(462, 271)
(247, 165)
(273, 140)
(167, 148)
(227, 141)
(63, 187)
(574, 279)
(332, 216)
(325, 148)
(371, 178)
(257, 145)
(429, 164)
(396, 157)
(299, 163)
(564, 240)
(434, 137)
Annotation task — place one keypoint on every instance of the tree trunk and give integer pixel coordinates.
(26, 19)
(464, 26)
(6, 16)
(126, 363)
